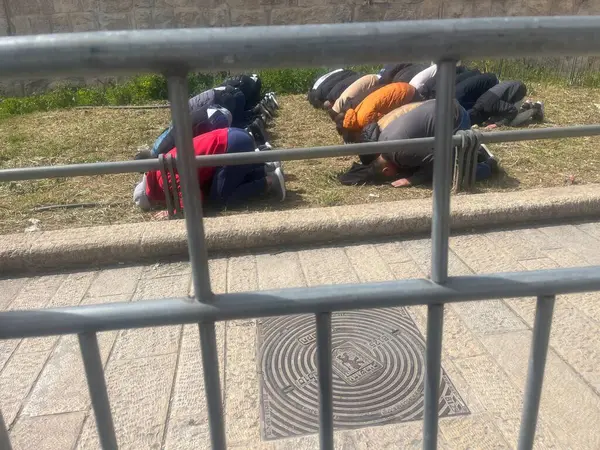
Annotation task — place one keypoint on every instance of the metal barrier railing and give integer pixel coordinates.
(174, 52)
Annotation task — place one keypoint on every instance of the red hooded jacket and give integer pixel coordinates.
(212, 143)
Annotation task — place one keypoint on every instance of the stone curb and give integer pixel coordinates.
(150, 241)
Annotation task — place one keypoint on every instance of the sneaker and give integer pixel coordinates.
(526, 105)
(145, 153)
(256, 110)
(268, 106)
(271, 166)
(265, 147)
(270, 101)
(278, 183)
(264, 112)
(493, 163)
(539, 115)
(257, 128)
(485, 150)
(271, 95)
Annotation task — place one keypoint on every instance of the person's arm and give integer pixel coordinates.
(421, 176)
(506, 110)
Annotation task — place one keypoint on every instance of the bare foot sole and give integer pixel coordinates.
(160, 215)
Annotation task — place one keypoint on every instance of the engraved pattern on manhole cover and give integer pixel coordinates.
(378, 372)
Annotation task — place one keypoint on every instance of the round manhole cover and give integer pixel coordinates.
(378, 372)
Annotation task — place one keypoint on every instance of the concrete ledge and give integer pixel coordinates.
(57, 250)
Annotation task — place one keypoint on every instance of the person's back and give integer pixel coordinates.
(339, 89)
(408, 73)
(466, 74)
(418, 123)
(202, 99)
(429, 89)
(204, 120)
(356, 93)
(318, 94)
(250, 85)
(378, 104)
(389, 71)
(212, 143)
(419, 80)
(372, 131)
(469, 90)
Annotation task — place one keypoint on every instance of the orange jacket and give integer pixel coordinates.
(377, 104)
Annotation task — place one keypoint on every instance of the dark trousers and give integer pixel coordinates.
(235, 185)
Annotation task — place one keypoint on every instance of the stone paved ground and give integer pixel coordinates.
(155, 381)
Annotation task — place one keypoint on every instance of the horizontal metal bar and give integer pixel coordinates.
(104, 168)
(103, 53)
(533, 134)
(150, 313)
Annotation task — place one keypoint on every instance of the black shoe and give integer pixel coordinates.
(258, 132)
(486, 151)
(526, 105)
(266, 112)
(273, 99)
(268, 107)
(539, 113)
(271, 102)
(493, 163)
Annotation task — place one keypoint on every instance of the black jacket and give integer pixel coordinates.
(469, 90)
(317, 97)
(466, 74)
(370, 132)
(233, 100)
(250, 85)
(389, 71)
(408, 73)
(429, 89)
(340, 87)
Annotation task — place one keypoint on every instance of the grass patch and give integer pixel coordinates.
(76, 136)
(153, 88)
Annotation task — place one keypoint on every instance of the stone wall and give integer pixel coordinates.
(20, 17)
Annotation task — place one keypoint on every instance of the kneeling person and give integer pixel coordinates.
(219, 186)
(204, 120)
(409, 167)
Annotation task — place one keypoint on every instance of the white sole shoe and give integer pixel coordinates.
(278, 174)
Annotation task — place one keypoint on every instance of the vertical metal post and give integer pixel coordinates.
(442, 169)
(92, 362)
(535, 375)
(324, 368)
(212, 385)
(192, 209)
(190, 188)
(4, 438)
(440, 230)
